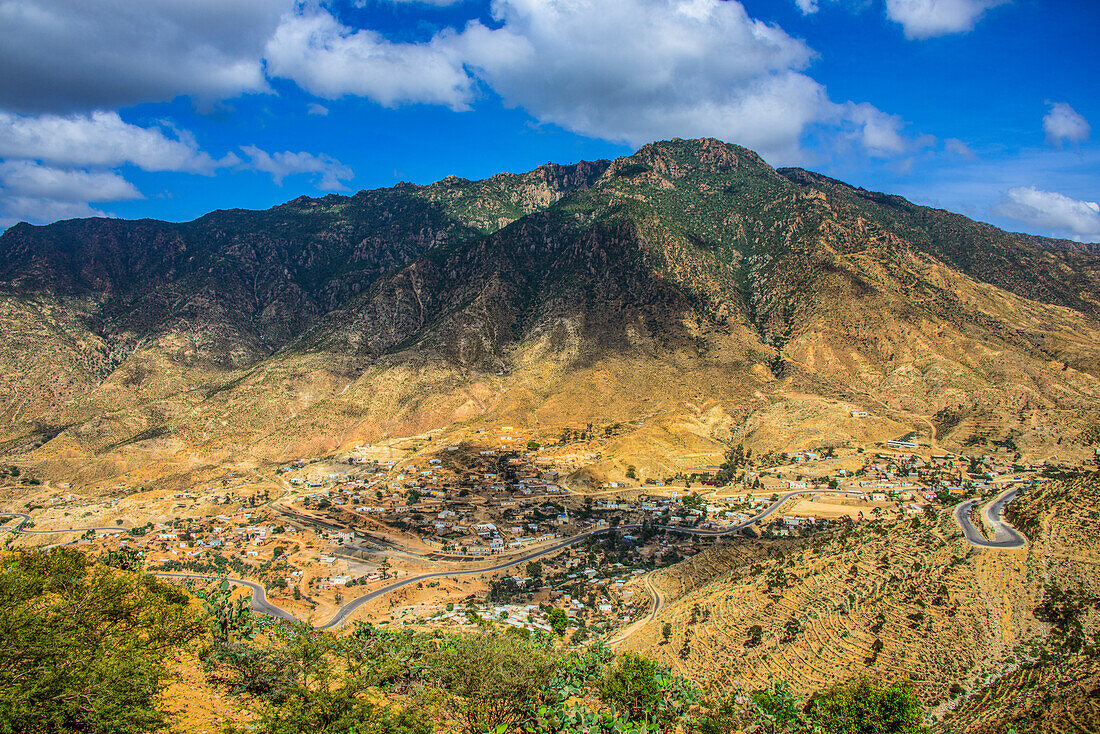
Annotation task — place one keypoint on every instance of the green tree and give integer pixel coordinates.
(559, 621)
(779, 710)
(666, 632)
(489, 679)
(644, 690)
(631, 685)
(84, 647)
(319, 679)
(693, 501)
(124, 558)
(864, 708)
(228, 618)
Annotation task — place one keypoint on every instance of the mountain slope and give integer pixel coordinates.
(901, 599)
(687, 284)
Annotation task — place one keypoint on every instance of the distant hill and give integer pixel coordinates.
(690, 285)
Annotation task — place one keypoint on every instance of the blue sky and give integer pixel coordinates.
(172, 108)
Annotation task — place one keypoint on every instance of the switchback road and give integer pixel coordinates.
(342, 614)
(1004, 535)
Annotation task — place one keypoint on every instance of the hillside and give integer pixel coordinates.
(986, 636)
(689, 287)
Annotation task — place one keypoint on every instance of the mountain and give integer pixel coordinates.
(689, 290)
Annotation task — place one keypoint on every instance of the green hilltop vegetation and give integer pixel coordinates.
(88, 647)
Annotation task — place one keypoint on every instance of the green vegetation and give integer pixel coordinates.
(86, 647)
(559, 621)
(694, 501)
(1064, 610)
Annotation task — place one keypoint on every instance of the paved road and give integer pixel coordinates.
(655, 594)
(260, 602)
(27, 518)
(1004, 535)
(342, 614)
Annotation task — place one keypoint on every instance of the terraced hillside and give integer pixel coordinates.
(1059, 692)
(901, 600)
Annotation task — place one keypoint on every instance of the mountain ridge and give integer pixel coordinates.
(689, 278)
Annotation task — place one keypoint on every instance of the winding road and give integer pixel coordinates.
(259, 595)
(657, 602)
(343, 612)
(261, 604)
(1004, 535)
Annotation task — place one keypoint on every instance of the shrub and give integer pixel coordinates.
(489, 679)
(644, 690)
(83, 646)
(864, 708)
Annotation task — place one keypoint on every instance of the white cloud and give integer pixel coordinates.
(623, 70)
(79, 55)
(437, 3)
(922, 19)
(1062, 123)
(330, 60)
(959, 148)
(32, 192)
(331, 174)
(316, 109)
(33, 180)
(45, 162)
(1053, 211)
(807, 7)
(640, 70)
(15, 209)
(100, 139)
(881, 133)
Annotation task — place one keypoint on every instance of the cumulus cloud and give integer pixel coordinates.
(76, 55)
(1062, 123)
(807, 7)
(55, 166)
(922, 19)
(33, 192)
(437, 3)
(639, 70)
(1054, 212)
(881, 133)
(101, 139)
(48, 162)
(15, 209)
(33, 180)
(330, 60)
(624, 70)
(330, 173)
(621, 70)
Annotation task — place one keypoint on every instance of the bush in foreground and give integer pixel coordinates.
(87, 648)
